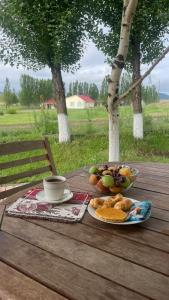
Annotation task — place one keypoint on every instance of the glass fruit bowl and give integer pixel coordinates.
(112, 179)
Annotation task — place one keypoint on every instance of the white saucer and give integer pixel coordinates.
(67, 196)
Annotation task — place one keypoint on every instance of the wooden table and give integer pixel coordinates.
(90, 260)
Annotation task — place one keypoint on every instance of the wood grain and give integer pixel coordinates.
(33, 172)
(20, 162)
(135, 233)
(50, 157)
(135, 277)
(2, 208)
(16, 286)
(17, 147)
(60, 275)
(135, 252)
(94, 260)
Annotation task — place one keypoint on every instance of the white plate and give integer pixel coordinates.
(67, 196)
(91, 211)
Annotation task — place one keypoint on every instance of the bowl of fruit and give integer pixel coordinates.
(112, 178)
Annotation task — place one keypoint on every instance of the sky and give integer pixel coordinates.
(93, 68)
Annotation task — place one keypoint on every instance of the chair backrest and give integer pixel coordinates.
(34, 163)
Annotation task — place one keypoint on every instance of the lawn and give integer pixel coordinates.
(90, 136)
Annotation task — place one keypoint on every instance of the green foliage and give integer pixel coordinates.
(38, 33)
(44, 122)
(34, 91)
(104, 90)
(93, 91)
(149, 92)
(92, 148)
(9, 97)
(83, 88)
(11, 111)
(1, 112)
(149, 27)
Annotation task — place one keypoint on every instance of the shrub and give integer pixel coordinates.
(11, 111)
(45, 122)
(1, 113)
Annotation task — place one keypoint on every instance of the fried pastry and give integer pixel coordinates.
(108, 203)
(111, 214)
(96, 202)
(124, 204)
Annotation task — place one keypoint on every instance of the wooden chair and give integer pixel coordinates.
(25, 148)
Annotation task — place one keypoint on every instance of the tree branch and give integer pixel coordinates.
(133, 86)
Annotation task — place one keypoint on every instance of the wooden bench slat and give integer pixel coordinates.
(23, 161)
(64, 277)
(17, 147)
(15, 190)
(50, 157)
(10, 178)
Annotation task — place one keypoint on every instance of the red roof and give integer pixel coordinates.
(50, 101)
(87, 98)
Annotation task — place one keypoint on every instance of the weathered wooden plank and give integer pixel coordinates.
(150, 166)
(17, 147)
(10, 178)
(153, 176)
(23, 161)
(134, 233)
(16, 286)
(126, 249)
(2, 208)
(62, 276)
(156, 225)
(160, 201)
(153, 183)
(140, 280)
(160, 214)
(152, 188)
(50, 156)
(15, 190)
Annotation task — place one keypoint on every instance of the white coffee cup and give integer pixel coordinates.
(54, 187)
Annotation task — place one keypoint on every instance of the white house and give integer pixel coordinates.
(79, 102)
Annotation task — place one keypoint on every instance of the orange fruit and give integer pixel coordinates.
(93, 179)
(116, 189)
(125, 172)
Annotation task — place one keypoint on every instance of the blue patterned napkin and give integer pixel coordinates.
(139, 211)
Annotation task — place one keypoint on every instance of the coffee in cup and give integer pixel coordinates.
(54, 187)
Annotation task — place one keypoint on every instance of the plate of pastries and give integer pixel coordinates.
(119, 210)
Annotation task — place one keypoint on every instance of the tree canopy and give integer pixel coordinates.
(9, 97)
(34, 91)
(149, 26)
(38, 33)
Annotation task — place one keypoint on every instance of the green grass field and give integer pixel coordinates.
(90, 135)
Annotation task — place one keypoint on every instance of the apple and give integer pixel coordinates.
(101, 187)
(126, 183)
(108, 181)
(93, 170)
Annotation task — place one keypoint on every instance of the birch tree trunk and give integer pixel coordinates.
(129, 8)
(59, 95)
(136, 94)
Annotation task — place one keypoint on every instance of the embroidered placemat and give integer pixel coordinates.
(28, 206)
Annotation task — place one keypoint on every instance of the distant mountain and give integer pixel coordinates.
(163, 96)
